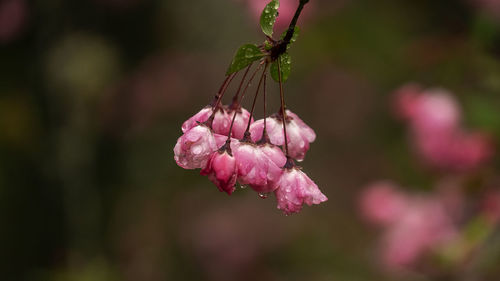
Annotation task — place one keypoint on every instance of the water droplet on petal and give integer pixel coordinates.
(196, 149)
(263, 195)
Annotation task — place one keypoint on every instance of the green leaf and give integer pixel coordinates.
(268, 17)
(245, 55)
(296, 32)
(286, 67)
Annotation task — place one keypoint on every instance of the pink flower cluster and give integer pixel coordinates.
(228, 153)
(414, 225)
(417, 228)
(434, 117)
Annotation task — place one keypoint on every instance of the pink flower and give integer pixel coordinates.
(434, 119)
(220, 125)
(422, 228)
(256, 168)
(414, 225)
(457, 151)
(240, 122)
(221, 170)
(428, 111)
(220, 140)
(201, 117)
(294, 189)
(382, 203)
(299, 134)
(222, 120)
(274, 128)
(274, 153)
(194, 148)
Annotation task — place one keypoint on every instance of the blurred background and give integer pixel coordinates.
(93, 94)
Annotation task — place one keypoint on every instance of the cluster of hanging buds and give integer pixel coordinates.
(227, 144)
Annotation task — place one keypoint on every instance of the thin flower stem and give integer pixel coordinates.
(234, 104)
(250, 80)
(281, 46)
(291, 27)
(241, 99)
(265, 104)
(265, 137)
(222, 90)
(255, 98)
(218, 97)
(283, 113)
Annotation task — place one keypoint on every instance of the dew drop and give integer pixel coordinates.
(248, 53)
(263, 195)
(196, 149)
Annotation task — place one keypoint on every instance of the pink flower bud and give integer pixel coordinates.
(220, 125)
(274, 128)
(194, 148)
(256, 168)
(240, 122)
(221, 170)
(220, 140)
(222, 121)
(294, 189)
(274, 153)
(299, 134)
(201, 117)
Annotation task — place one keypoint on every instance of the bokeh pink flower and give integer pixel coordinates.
(413, 226)
(382, 203)
(434, 117)
(286, 11)
(13, 17)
